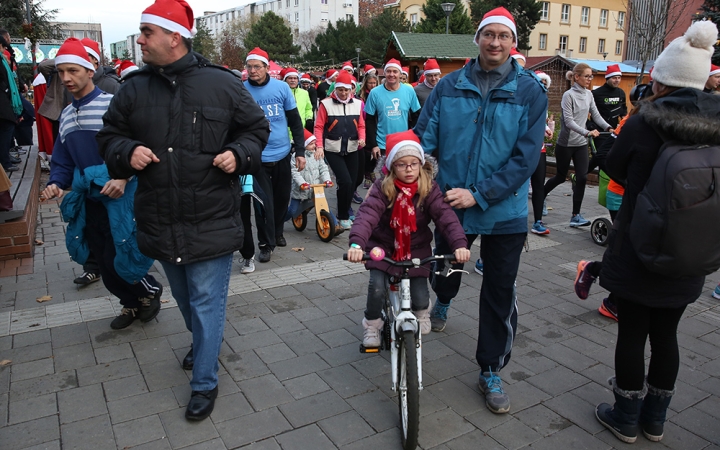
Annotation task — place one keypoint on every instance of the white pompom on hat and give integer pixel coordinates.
(685, 62)
(545, 77)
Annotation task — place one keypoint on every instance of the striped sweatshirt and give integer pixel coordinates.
(76, 145)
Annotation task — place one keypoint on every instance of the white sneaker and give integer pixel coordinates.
(423, 317)
(372, 330)
(247, 265)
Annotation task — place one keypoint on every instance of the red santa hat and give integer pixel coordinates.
(498, 15)
(244, 75)
(289, 72)
(347, 65)
(421, 79)
(612, 70)
(405, 70)
(126, 67)
(543, 76)
(354, 80)
(393, 63)
(258, 54)
(369, 69)
(405, 143)
(305, 78)
(73, 52)
(517, 55)
(309, 137)
(91, 47)
(331, 73)
(344, 80)
(714, 70)
(116, 63)
(173, 15)
(431, 66)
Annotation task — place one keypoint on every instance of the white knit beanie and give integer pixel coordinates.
(686, 61)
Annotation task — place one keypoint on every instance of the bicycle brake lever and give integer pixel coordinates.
(452, 271)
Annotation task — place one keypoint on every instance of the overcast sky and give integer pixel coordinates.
(121, 18)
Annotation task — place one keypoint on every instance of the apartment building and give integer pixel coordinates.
(217, 21)
(305, 15)
(580, 29)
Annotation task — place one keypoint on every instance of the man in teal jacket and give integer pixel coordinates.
(485, 161)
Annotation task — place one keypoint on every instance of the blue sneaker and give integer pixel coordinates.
(479, 266)
(545, 210)
(716, 294)
(579, 221)
(438, 316)
(539, 228)
(351, 214)
(496, 399)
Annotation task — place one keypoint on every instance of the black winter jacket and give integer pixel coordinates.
(687, 115)
(6, 110)
(188, 112)
(611, 104)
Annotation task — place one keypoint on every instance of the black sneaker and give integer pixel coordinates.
(87, 278)
(280, 241)
(150, 306)
(126, 317)
(265, 253)
(15, 159)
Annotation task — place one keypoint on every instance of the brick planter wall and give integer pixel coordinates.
(17, 236)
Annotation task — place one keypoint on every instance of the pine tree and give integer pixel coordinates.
(711, 11)
(378, 33)
(13, 18)
(203, 42)
(525, 12)
(272, 35)
(435, 19)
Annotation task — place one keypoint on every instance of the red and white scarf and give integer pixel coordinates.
(403, 219)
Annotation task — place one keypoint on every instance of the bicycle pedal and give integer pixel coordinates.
(364, 349)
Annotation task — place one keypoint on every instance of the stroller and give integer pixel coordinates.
(609, 194)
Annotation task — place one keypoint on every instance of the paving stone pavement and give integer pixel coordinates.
(291, 376)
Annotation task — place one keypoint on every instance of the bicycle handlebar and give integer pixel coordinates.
(414, 262)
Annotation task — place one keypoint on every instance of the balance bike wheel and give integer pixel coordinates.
(300, 222)
(408, 391)
(600, 230)
(325, 226)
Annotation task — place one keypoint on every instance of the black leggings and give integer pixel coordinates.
(345, 168)
(635, 323)
(537, 181)
(579, 156)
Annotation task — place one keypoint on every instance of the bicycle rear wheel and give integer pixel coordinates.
(408, 390)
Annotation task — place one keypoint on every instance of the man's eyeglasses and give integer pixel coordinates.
(490, 36)
(403, 166)
(252, 68)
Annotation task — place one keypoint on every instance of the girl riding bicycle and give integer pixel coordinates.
(396, 217)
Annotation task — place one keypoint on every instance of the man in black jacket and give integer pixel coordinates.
(611, 104)
(187, 129)
(8, 112)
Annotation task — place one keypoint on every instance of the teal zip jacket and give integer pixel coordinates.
(486, 145)
(130, 264)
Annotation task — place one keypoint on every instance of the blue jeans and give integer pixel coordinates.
(200, 290)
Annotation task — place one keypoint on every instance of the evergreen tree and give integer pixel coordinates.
(203, 42)
(435, 19)
(711, 11)
(525, 12)
(13, 17)
(378, 33)
(272, 35)
(337, 43)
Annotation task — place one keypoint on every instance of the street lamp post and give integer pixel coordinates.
(448, 8)
(357, 50)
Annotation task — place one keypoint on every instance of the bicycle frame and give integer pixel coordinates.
(403, 320)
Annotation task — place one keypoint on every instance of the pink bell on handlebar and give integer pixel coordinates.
(377, 254)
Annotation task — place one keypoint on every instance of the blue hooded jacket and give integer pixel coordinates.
(130, 264)
(490, 146)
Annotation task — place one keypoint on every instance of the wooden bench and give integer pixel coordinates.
(17, 227)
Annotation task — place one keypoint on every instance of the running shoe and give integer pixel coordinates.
(479, 266)
(539, 228)
(583, 280)
(608, 309)
(579, 221)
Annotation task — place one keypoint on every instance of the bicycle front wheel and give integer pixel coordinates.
(408, 390)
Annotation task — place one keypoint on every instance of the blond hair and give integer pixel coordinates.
(577, 70)
(424, 182)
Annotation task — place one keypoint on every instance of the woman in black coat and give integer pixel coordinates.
(650, 304)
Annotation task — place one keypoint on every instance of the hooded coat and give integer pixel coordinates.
(686, 115)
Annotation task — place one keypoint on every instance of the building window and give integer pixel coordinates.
(601, 45)
(562, 46)
(324, 16)
(545, 11)
(565, 13)
(543, 41)
(618, 47)
(583, 44)
(603, 18)
(324, 2)
(621, 20)
(287, 3)
(413, 19)
(297, 17)
(349, 18)
(585, 16)
(297, 2)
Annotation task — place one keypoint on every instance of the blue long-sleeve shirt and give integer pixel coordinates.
(76, 145)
